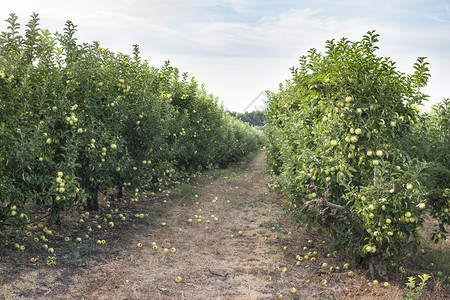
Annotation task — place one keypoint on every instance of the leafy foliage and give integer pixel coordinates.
(430, 141)
(254, 118)
(335, 143)
(79, 119)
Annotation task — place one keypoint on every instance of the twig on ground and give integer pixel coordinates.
(217, 274)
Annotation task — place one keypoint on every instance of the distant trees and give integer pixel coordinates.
(254, 118)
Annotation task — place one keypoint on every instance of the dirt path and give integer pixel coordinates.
(213, 259)
(212, 263)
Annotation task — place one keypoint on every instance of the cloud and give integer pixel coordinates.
(270, 36)
(240, 48)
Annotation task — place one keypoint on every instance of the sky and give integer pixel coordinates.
(239, 49)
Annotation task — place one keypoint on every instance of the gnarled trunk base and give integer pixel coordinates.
(92, 201)
(377, 267)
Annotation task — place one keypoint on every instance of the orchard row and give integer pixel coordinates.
(77, 120)
(340, 140)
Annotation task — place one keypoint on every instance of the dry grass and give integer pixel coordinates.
(212, 263)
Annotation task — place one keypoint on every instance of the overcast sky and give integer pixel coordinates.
(239, 49)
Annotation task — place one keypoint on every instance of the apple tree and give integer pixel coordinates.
(334, 141)
(429, 140)
(33, 165)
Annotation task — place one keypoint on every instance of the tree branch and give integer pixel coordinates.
(333, 227)
(376, 174)
(342, 209)
(394, 189)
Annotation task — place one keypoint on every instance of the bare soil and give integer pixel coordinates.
(249, 252)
